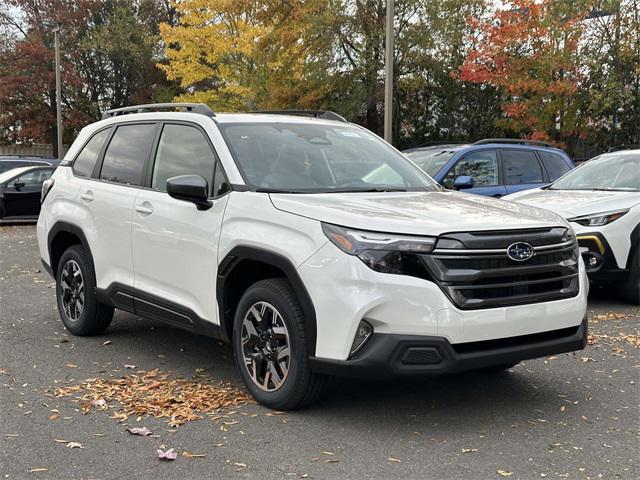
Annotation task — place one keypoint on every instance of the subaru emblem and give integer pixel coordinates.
(520, 251)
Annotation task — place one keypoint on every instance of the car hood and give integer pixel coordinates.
(574, 203)
(419, 213)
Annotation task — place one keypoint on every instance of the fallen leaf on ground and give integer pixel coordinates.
(108, 342)
(100, 403)
(332, 460)
(469, 450)
(193, 455)
(74, 445)
(142, 431)
(160, 395)
(71, 365)
(37, 470)
(167, 455)
(240, 464)
(131, 367)
(395, 460)
(504, 473)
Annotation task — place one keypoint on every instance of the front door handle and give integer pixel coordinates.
(144, 208)
(87, 196)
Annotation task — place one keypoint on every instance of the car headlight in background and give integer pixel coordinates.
(599, 219)
(382, 252)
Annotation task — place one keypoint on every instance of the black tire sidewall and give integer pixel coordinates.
(82, 325)
(298, 366)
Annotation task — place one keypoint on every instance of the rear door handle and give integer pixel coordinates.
(144, 208)
(87, 196)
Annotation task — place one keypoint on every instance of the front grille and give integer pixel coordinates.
(479, 274)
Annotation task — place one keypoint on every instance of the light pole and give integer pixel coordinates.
(388, 75)
(56, 32)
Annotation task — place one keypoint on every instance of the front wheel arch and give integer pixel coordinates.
(242, 267)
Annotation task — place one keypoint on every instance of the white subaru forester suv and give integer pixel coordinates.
(268, 231)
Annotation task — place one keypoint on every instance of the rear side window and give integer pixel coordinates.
(554, 164)
(520, 167)
(182, 150)
(86, 159)
(127, 154)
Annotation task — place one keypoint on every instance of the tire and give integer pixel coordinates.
(259, 342)
(631, 286)
(86, 316)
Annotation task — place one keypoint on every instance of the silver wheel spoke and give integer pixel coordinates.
(265, 346)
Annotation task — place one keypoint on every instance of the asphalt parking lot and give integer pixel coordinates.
(572, 416)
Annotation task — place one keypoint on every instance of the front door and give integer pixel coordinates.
(482, 166)
(175, 245)
(22, 196)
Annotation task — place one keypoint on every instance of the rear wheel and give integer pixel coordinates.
(631, 286)
(79, 309)
(270, 347)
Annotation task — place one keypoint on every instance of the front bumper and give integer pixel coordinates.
(389, 355)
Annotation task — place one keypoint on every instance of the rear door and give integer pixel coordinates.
(175, 245)
(521, 170)
(483, 167)
(109, 199)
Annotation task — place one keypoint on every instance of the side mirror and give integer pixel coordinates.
(463, 182)
(190, 188)
(18, 186)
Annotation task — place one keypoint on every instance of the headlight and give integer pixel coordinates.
(599, 219)
(383, 252)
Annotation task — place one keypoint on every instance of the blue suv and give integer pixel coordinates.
(492, 167)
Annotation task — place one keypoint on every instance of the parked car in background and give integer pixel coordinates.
(601, 199)
(20, 190)
(270, 232)
(8, 162)
(492, 167)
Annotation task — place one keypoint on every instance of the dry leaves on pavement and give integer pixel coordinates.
(160, 395)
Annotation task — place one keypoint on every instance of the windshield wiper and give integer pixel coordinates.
(367, 190)
(279, 190)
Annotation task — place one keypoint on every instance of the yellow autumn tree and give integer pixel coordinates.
(244, 54)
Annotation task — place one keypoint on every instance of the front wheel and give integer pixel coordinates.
(270, 347)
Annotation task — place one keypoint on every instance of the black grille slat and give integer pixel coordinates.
(478, 280)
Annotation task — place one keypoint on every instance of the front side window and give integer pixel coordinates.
(480, 165)
(615, 172)
(182, 150)
(521, 167)
(554, 164)
(127, 154)
(313, 158)
(87, 158)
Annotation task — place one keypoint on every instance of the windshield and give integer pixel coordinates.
(431, 161)
(319, 158)
(615, 172)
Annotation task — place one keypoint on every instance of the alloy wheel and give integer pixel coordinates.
(266, 348)
(72, 290)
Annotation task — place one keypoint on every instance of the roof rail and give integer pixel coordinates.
(440, 142)
(157, 107)
(517, 141)
(618, 148)
(325, 114)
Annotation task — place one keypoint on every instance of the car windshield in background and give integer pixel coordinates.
(319, 158)
(615, 172)
(431, 161)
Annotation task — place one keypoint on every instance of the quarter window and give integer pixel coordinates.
(555, 165)
(127, 154)
(182, 150)
(521, 167)
(86, 159)
(482, 166)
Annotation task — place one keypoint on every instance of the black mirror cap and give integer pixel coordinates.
(462, 182)
(190, 188)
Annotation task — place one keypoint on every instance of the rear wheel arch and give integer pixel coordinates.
(242, 267)
(63, 235)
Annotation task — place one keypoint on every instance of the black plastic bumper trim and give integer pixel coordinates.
(383, 356)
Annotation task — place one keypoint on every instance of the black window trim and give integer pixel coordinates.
(148, 176)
